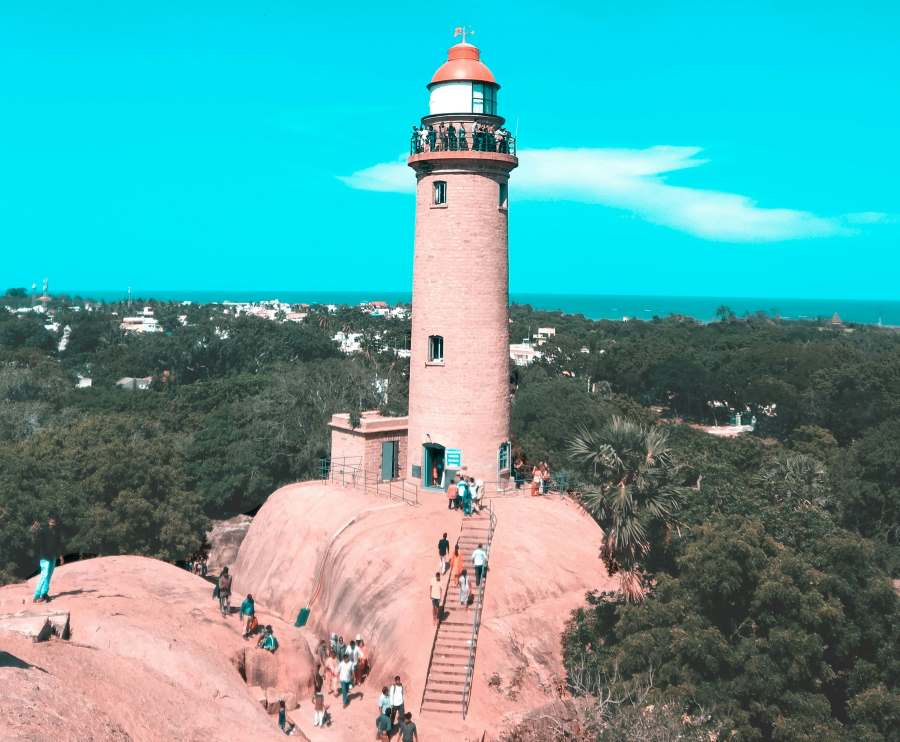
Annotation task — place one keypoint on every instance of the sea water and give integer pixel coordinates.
(593, 306)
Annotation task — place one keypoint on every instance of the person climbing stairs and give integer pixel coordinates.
(451, 669)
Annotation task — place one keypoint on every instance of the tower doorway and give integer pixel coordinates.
(433, 465)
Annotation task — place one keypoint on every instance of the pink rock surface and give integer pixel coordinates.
(150, 658)
(376, 558)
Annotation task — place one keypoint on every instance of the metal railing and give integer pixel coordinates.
(461, 140)
(476, 622)
(353, 475)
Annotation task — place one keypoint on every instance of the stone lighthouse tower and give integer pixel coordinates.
(459, 369)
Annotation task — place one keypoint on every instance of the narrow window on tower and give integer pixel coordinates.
(504, 196)
(503, 457)
(440, 192)
(435, 349)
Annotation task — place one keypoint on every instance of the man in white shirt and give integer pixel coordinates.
(395, 693)
(345, 675)
(436, 594)
(479, 559)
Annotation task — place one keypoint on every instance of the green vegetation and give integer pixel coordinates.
(237, 407)
(765, 608)
(766, 559)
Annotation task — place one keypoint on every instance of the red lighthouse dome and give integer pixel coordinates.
(463, 63)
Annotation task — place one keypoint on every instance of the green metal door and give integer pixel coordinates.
(388, 460)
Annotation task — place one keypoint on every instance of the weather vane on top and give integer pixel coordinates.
(463, 31)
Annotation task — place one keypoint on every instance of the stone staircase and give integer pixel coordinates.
(452, 666)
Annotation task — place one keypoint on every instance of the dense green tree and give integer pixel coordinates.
(629, 483)
(25, 332)
(746, 630)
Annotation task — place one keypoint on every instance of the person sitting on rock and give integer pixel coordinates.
(268, 641)
(284, 721)
(248, 613)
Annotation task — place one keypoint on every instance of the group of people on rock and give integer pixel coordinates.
(450, 138)
(198, 564)
(222, 591)
(465, 494)
(341, 666)
(344, 665)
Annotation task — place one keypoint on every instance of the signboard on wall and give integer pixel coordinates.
(453, 458)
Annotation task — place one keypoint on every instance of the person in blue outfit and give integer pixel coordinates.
(48, 545)
(268, 641)
(248, 614)
(467, 496)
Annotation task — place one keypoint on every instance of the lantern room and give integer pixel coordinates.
(463, 84)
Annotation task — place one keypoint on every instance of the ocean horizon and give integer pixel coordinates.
(593, 306)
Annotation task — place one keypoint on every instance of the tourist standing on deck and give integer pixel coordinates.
(49, 548)
(479, 559)
(443, 551)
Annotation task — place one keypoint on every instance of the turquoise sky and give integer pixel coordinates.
(740, 148)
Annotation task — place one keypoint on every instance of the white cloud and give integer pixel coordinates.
(632, 180)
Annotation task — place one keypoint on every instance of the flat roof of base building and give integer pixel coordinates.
(370, 421)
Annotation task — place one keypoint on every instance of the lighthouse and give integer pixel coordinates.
(459, 368)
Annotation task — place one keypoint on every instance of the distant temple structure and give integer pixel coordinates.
(459, 369)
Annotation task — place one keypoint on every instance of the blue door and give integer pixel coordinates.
(389, 460)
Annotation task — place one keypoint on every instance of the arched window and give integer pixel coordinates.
(435, 349)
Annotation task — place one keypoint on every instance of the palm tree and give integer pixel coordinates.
(629, 489)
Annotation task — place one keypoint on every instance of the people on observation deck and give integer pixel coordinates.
(452, 138)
